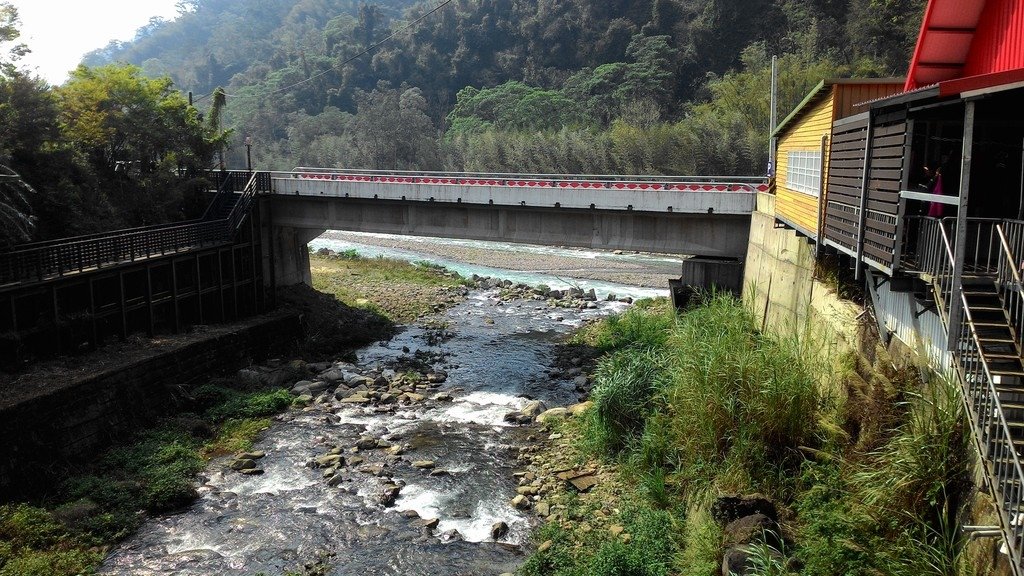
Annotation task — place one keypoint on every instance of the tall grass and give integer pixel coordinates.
(704, 403)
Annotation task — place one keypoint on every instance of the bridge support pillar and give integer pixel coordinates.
(289, 255)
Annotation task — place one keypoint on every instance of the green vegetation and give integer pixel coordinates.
(649, 86)
(398, 291)
(68, 532)
(694, 406)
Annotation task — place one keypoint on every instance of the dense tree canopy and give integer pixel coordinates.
(629, 86)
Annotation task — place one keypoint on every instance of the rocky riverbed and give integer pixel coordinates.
(409, 460)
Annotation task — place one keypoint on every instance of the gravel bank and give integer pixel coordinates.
(634, 269)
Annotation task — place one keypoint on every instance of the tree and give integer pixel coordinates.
(12, 51)
(124, 122)
(392, 131)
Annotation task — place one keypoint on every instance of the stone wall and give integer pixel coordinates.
(46, 435)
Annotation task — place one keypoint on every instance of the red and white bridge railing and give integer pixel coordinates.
(550, 181)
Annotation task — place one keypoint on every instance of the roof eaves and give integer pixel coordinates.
(813, 95)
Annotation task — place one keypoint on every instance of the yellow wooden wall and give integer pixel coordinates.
(798, 208)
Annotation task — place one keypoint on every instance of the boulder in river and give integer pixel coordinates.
(499, 530)
(533, 409)
(552, 414)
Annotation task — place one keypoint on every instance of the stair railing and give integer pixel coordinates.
(1008, 280)
(992, 435)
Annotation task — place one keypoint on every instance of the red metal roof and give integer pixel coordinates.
(963, 38)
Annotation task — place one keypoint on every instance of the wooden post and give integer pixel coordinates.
(901, 212)
(864, 186)
(220, 284)
(92, 315)
(960, 246)
(149, 298)
(56, 317)
(174, 293)
(821, 195)
(124, 308)
(199, 293)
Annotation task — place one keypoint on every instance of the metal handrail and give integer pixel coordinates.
(38, 263)
(992, 433)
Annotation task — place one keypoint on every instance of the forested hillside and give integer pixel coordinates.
(672, 86)
(555, 86)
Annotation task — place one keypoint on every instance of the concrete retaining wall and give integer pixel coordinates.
(45, 435)
(779, 284)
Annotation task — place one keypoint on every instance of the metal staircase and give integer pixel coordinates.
(986, 351)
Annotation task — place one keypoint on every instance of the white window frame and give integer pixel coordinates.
(803, 174)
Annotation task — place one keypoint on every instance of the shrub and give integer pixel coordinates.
(625, 386)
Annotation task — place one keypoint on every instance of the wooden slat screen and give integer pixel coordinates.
(885, 178)
(845, 177)
(842, 211)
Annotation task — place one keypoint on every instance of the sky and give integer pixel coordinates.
(60, 32)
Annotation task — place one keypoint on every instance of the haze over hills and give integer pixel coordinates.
(595, 81)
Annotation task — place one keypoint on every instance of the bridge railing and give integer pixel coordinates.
(620, 182)
(77, 255)
(56, 258)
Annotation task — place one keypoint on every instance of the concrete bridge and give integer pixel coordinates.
(77, 293)
(697, 216)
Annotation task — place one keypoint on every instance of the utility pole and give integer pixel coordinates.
(773, 121)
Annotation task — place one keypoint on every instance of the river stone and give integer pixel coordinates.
(427, 523)
(583, 483)
(336, 480)
(543, 509)
(411, 398)
(437, 377)
(577, 409)
(387, 398)
(452, 535)
(423, 464)
(520, 502)
(332, 375)
(366, 443)
(357, 398)
(439, 472)
(356, 460)
(442, 397)
(528, 490)
(302, 400)
(243, 464)
(545, 546)
(499, 530)
(736, 562)
(389, 495)
(533, 408)
(251, 471)
(329, 460)
(372, 469)
(254, 455)
(409, 514)
(552, 414)
(518, 418)
(751, 529)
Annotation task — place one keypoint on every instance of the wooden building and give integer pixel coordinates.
(925, 194)
(804, 144)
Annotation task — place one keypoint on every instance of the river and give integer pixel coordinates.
(497, 356)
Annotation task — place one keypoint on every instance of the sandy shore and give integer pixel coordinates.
(634, 269)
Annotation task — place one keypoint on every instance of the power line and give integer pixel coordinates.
(349, 60)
